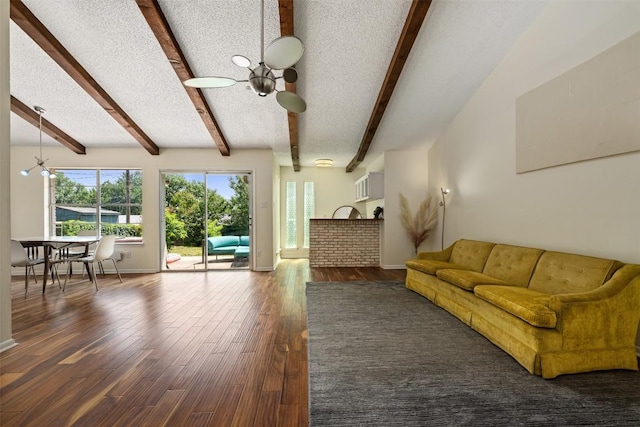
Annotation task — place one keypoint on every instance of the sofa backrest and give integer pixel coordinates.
(471, 254)
(563, 273)
(244, 241)
(222, 241)
(513, 264)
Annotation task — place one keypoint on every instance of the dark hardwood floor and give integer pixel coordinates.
(176, 349)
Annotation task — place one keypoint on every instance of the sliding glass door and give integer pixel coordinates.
(206, 221)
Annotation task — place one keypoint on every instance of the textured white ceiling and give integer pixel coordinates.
(348, 46)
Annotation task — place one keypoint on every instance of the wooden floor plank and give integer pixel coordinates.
(188, 348)
(166, 406)
(267, 409)
(8, 378)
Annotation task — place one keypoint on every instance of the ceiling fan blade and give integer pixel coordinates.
(241, 61)
(283, 52)
(290, 75)
(209, 82)
(291, 102)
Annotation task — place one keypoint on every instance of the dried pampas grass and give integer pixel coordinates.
(418, 227)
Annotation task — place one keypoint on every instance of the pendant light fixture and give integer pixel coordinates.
(39, 162)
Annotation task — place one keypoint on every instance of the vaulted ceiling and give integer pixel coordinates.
(376, 75)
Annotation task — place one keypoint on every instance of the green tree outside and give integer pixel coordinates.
(184, 200)
(239, 208)
(69, 192)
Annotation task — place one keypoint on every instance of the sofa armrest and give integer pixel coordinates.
(604, 317)
(443, 255)
(618, 282)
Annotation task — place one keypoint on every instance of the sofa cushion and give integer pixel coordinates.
(244, 241)
(471, 254)
(562, 273)
(225, 248)
(513, 264)
(219, 242)
(242, 252)
(529, 305)
(467, 279)
(430, 266)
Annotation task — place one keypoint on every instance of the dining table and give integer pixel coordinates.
(50, 244)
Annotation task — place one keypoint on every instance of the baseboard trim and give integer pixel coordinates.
(6, 345)
(266, 269)
(394, 267)
(132, 271)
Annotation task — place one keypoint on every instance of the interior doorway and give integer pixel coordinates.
(206, 220)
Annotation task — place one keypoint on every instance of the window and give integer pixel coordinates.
(109, 200)
(291, 240)
(309, 209)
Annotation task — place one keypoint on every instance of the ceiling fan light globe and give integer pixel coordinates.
(24, 172)
(44, 172)
(283, 52)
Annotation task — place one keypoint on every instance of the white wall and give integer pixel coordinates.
(404, 172)
(592, 207)
(27, 193)
(276, 209)
(5, 178)
(333, 188)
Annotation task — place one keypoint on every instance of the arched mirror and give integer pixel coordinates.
(346, 212)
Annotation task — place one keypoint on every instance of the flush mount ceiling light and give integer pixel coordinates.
(39, 162)
(281, 54)
(324, 163)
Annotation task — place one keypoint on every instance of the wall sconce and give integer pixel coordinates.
(443, 203)
(39, 162)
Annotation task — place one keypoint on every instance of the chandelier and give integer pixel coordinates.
(39, 162)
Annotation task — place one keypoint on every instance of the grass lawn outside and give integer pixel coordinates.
(187, 250)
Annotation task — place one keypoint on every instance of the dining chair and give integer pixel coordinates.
(62, 256)
(104, 251)
(19, 258)
(79, 251)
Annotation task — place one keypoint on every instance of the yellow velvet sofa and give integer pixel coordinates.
(555, 313)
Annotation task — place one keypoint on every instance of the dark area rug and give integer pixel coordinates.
(381, 355)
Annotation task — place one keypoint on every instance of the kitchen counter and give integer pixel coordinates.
(344, 242)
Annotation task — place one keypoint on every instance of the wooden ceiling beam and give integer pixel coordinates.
(160, 27)
(28, 22)
(415, 18)
(33, 118)
(286, 29)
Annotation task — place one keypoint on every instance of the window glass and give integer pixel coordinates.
(75, 208)
(291, 240)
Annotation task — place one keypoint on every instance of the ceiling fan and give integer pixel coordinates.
(281, 54)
